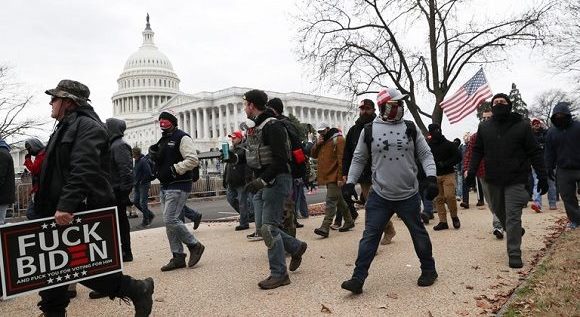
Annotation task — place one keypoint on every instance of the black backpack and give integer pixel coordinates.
(152, 167)
(297, 156)
(411, 132)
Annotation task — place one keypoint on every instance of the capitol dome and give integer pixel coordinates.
(146, 83)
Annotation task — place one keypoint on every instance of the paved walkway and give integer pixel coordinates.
(470, 262)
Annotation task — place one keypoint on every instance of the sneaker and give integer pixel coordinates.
(498, 233)
(441, 226)
(274, 282)
(335, 226)
(297, 258)
(464, 205)
(242, 227)
(353, 285)
(516, 262)
(572, 225)
(425, 218)
(536, 207)
(195, 254)
(346, 227)
(321, 232)
(427, 278)
(456, 222)
(255, 236)
(197, 221)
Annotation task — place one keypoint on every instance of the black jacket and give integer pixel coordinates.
(446, 155)
(350, 145)
(562, 145)
(75, 172)
(508, 148)
(142, 171)
(237, 174)
(7, 181)
(121, 156)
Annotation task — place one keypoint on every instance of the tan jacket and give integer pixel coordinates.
(329, 156)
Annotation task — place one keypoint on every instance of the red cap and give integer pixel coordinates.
(237, 134)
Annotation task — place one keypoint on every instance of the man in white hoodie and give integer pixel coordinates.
(394, 146)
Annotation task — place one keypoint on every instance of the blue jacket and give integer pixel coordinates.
(562, 145)
(142, 171)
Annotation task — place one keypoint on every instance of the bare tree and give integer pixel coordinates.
(566, 42)
(12, 102)
(360, 45)
(545, 102)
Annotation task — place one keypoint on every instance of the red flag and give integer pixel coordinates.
(472, 94)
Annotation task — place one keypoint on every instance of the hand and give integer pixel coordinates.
(320, 139)
(340, 183)
(232, 157)
(344, 178)
(348, 191)
(465, 174)
(255, 185)
(63, 217)
(173, 171)
(432, 189)
(542, 186)
(551, 175)
(469, 180)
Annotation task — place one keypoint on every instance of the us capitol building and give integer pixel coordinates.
(149, 85)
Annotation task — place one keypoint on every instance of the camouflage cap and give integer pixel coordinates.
(72, 89)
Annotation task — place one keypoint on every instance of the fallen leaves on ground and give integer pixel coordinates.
(392, 295)
(325, 309)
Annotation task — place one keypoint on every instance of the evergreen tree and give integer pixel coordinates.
(518, 105)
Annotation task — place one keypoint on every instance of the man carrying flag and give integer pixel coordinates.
(467, 98)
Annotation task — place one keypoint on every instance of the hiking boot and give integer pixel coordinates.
(127, 256)
(441, 226)
(425, 218)
(141, 294)
(96, 295)
(353, 285)
(195, 253)
(321, 232)
(335, 226)
(427, 278)
(274, 282)
(256, 236)
(197, 221)
(346, 227)
(480, 203)
(515, 262)
(464, 205)
(242, 227)
(177, 262)
(498, 234)
(297, 258)
(456, 222)
(536, 207)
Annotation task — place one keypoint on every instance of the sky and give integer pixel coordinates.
(212, 45)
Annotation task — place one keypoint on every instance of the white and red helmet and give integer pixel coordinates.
(389, 110)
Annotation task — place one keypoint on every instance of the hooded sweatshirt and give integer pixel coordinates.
(7, 183)
(121, 156)
(562, 148)
(394, 171)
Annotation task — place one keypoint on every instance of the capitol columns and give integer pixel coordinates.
(197, 123)
(220, 123)
(205, 124)
(213, 123)
(228, 119)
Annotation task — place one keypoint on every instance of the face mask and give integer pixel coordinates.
(392, 112)
(561, 122)
(165, 124)
(501, 111)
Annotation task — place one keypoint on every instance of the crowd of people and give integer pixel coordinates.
(86, 165)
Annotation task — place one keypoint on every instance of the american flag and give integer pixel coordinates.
(467, 98)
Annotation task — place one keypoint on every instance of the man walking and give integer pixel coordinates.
(366, 115)
(507, 144)
(235, 178)
(328, 150)
(7, 181)
(175, 158)
(540, 134)
(392, 145)
(74, 178)
(446, 155)
(563, 153)
(143, 175)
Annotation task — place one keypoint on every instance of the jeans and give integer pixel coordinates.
(465, 193)
(507, 201)
(269, 203)
(172, 201)
(551, 191)
(237, 198)
(141, 199)
(378, 212)
(300, 198)
(3, 209)
(568, 182)
(427, 204)
(459, 182)
(189, 213)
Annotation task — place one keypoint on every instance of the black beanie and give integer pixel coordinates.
(502, 95)
(276, 104)
(168, 116)
(434, 127)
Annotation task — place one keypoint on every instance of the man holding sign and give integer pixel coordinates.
(75, 177)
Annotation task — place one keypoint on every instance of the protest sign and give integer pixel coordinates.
(39, 254)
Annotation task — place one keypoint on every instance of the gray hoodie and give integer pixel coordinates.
(393, 162)
(121, 155)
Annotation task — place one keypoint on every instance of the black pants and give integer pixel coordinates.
(53, 302)
(122, 198)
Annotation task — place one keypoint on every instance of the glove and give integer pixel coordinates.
(551, 175)
(255, 185)
(469, 180)
(173, 171)
(348, 191)
(232, 157)
(432, 189)
(542, 186)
